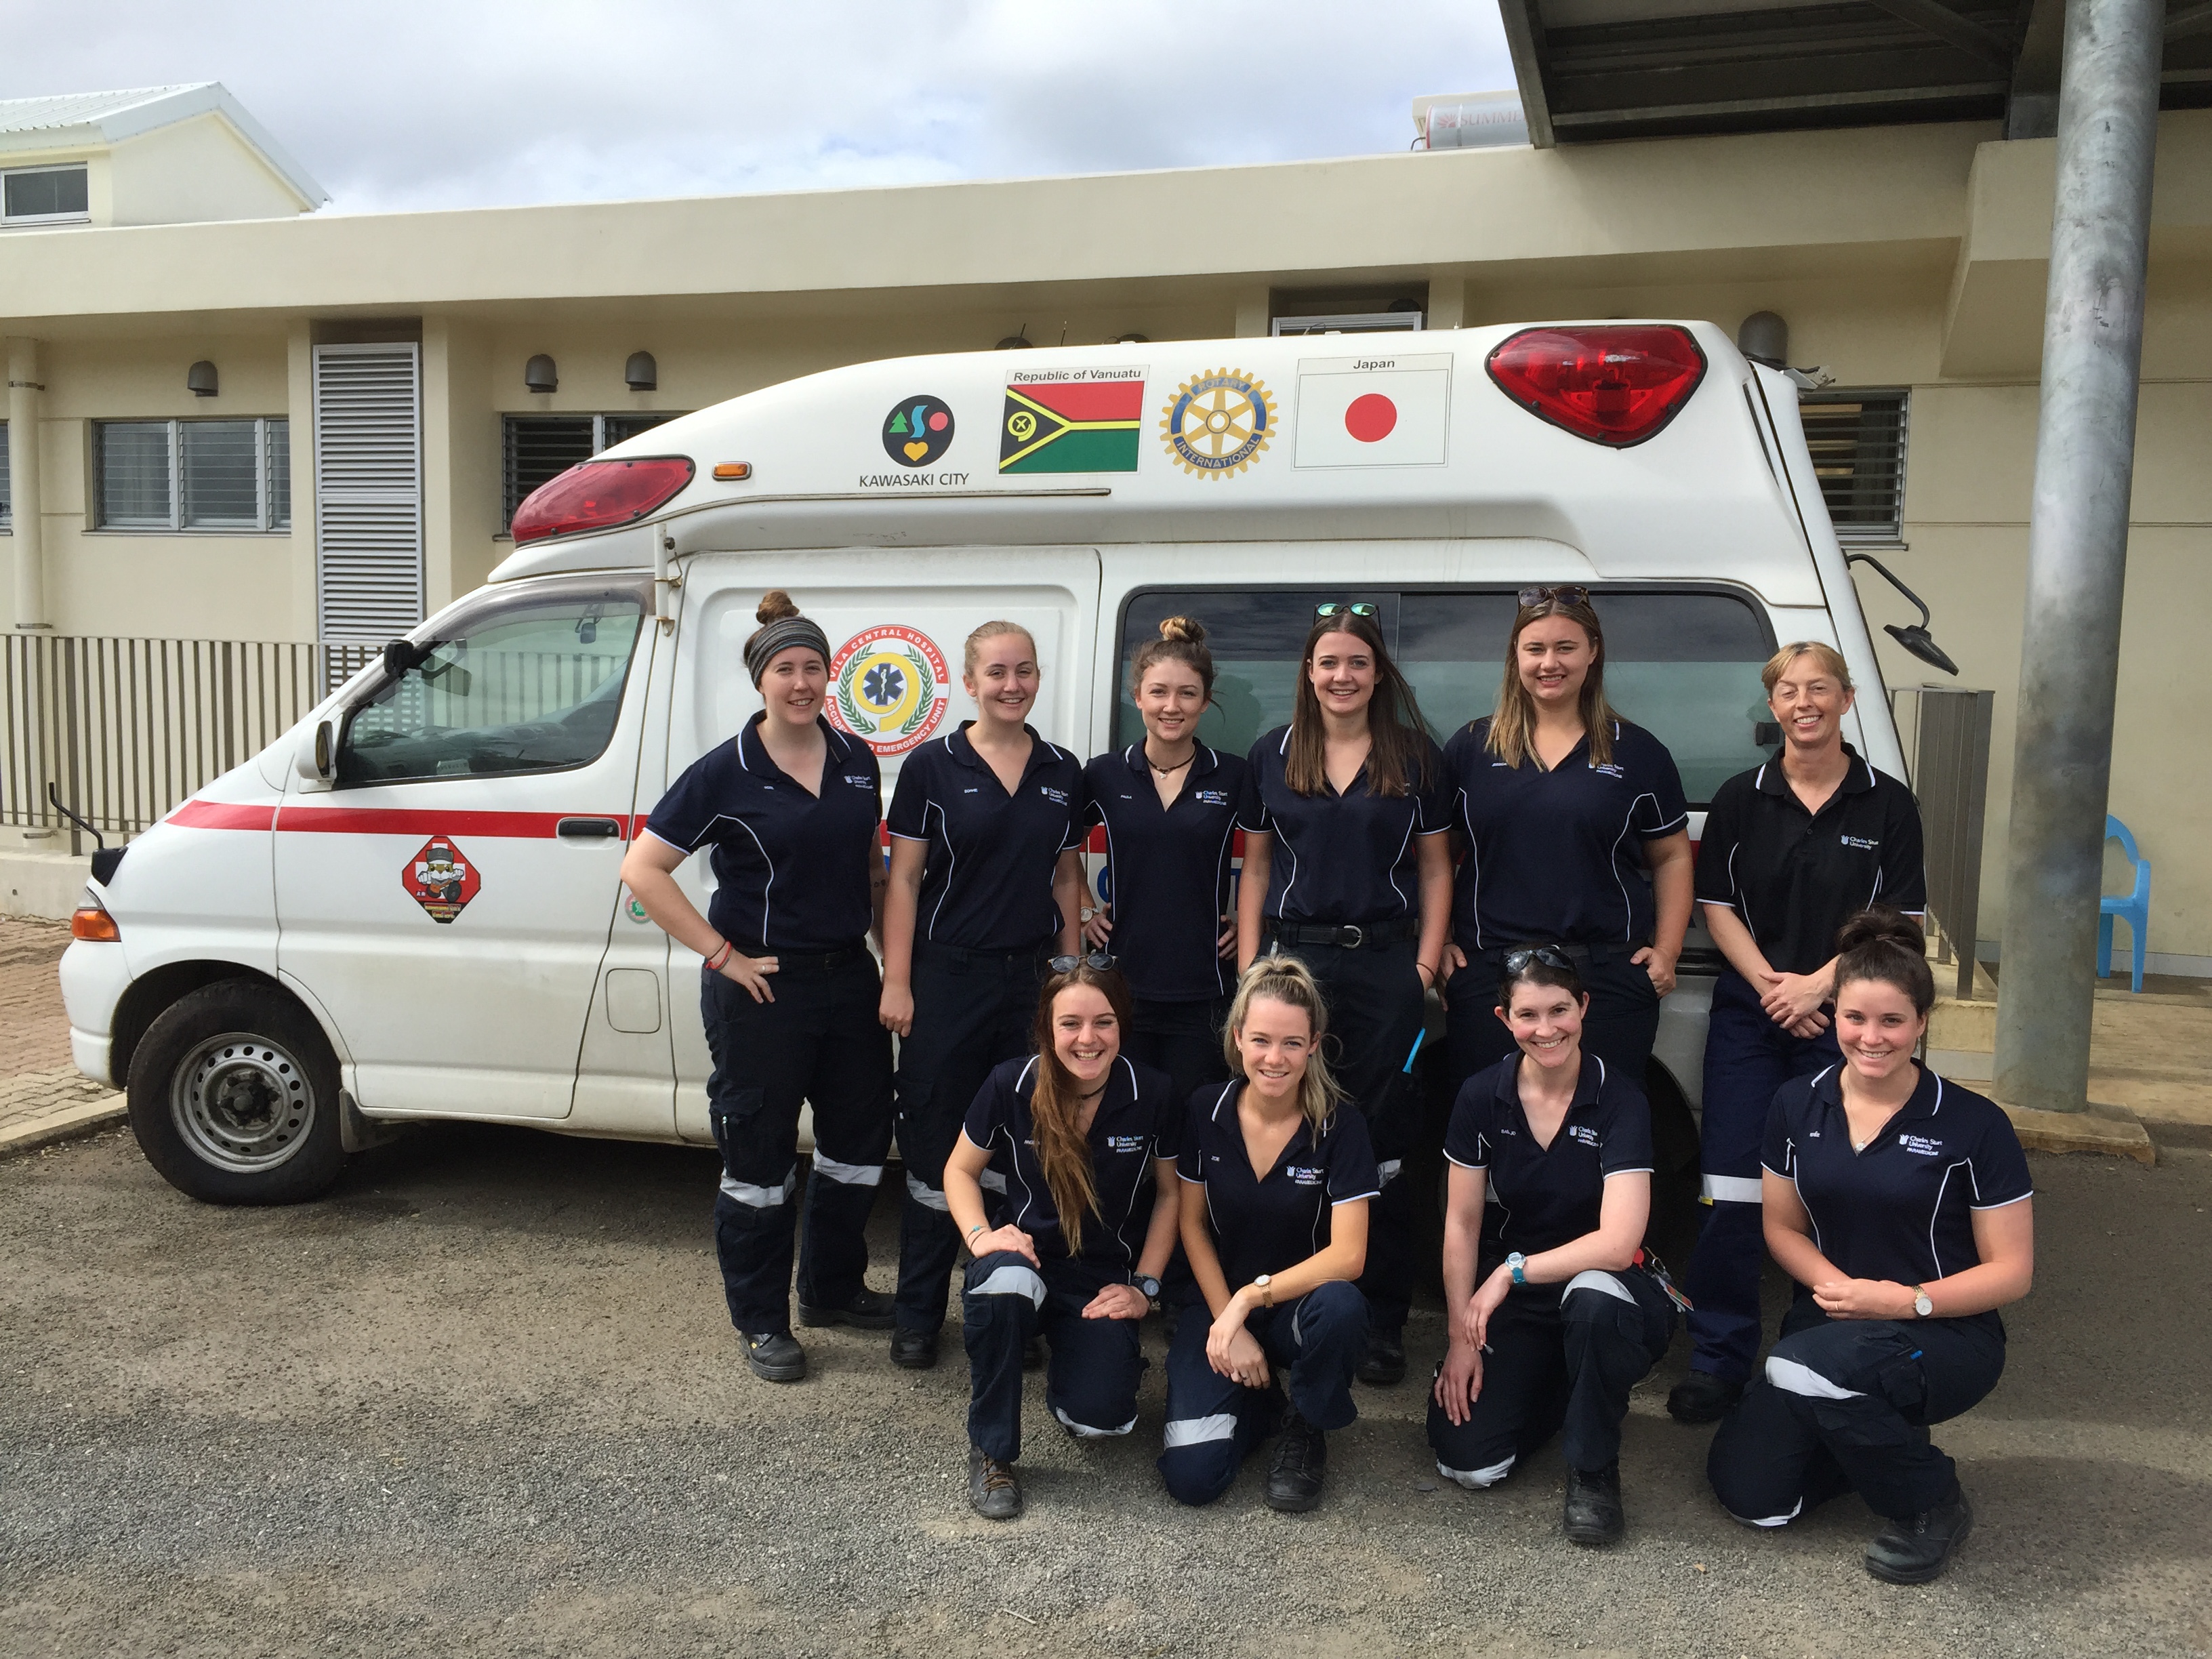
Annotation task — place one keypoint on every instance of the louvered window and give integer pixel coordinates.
(226, 477)
(368, 490)
(539, 448)
(1856, 436)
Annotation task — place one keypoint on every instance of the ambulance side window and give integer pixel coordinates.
(531, 683)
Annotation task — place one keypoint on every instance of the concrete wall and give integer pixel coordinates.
(199, 171)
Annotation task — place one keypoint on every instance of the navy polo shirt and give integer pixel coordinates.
(1344, 859)
(986, 880)
(1137, 1124)
(1558, 856)
(1170, 868)
(1541, 1197)
(1265, 1225)
(791, 869)
(1795, 876)
(1902, 1209)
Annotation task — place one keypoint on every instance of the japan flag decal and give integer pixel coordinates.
(1388, 408)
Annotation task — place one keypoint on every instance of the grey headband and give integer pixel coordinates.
(781, 635)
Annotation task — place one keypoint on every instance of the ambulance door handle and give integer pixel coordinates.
(588, 829)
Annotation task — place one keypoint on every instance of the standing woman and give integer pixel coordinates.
(1791, 850)
(1577, 836)
(1346, 864)
(1277, 1179)
(1554, 1317)
(984, 888)
(1169, 805)
(1899, 1203)
(789, 991)
(1084, 1142)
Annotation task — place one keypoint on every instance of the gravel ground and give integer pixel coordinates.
(484, 1398)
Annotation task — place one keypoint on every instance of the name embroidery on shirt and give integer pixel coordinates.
(1304, 1174)
(1921, 1144)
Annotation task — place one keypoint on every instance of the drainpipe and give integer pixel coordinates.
(2077, 549)
(24, 500)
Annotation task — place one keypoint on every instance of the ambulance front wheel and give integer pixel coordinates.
(235, 1097)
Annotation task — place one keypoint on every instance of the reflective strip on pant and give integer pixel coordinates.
(760, 1198)
(992, 1181)
(852, 1174)
(1476, 1480)
(1083, 1430)
(1595, 1280)
(1796, 1510)
(1795, 1378)
(1387, 1170)
(927, 1196)
(1732, 1189)
(1013, 1281)
(1197, 1431)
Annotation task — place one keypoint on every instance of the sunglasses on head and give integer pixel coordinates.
(1099, 959)
(1516, 961)
(1565, 594)
(1366, 610)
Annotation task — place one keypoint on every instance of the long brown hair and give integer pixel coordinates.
(1056, 1105)
(1398, 756)
(1288, 981)
(1513, 726)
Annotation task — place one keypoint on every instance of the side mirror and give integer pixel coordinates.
(1913, 636)
(318, 762)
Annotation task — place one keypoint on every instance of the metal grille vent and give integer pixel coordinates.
(1857, 437)
(368, 490)
(540, 448)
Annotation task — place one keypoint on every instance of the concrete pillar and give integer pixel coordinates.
(26, 404)
(1447, 299)
(1254, 304)
(2077, 549)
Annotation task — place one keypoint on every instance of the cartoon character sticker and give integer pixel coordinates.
(891, 688)
(439, 879)
(918, 430)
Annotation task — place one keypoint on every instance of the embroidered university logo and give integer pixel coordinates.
(1922, 1145)
(1583, 1132)
(1304, 1174)
(892, 688)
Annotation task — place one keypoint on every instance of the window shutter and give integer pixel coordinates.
(368, 491)
(1857, 437)
(539, 449)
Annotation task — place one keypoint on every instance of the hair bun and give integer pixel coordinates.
(1881, 924)
(775, 604)
(1188, 629)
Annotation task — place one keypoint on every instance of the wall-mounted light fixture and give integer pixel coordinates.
(199, 379)
(1131, 339)
(1015, 342)
(1764, 338)
(640, 372)
(539, 375)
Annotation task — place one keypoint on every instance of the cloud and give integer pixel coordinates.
(410, 104)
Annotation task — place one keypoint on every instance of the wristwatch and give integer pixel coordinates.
(1921, 1307)
(1148, 1284)
(1264, 1284)
(1517, 1264)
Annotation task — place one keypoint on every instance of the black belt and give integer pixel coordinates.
(1371, 936)
(963, 953)
(813, 962)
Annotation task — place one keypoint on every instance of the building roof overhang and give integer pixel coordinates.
(100, 119)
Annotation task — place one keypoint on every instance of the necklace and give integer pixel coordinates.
(1170, 771)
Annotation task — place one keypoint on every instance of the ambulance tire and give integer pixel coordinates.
(233, 1097)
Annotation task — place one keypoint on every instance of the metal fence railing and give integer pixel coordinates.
(1947, 733)
(126, 728)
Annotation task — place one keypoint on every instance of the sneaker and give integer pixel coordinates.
(1383, 1364)
(1917, 1551)
(868, 1311)
(1033, 1355)
(994, 1491)
(1702, 1397)
(1294, 1477)
(913, 1350)
(774, 1356)
(1593, 1510)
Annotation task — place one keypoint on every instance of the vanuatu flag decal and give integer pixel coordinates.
(1077, 420)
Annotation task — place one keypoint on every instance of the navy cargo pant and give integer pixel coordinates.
(819, 1042)
(1747, 1058)
(1559, 1360)
(1845, 1405)
(1090, 1382)
(972, 1009)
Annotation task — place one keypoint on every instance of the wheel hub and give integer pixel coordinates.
(242, 1103)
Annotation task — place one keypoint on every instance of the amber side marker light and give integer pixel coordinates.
(90, 921)
(733, 471)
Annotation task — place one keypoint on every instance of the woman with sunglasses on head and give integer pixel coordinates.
(1791, 850)
(1346, 866)
(790, 991)
(1081, 1141)
(1901, 1204)
(1577, 836)
(1554, 1317)
(985, 886)
(1168, 804)
(1277, 1177)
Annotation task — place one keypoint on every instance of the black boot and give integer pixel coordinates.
(1916, 1551)
(1294, 1479)
(994, 1491)
(1593, 1511)
(913, 1350)
(1702, 1397)
(1384, 1362)
(868, 1311)
(774, 1356)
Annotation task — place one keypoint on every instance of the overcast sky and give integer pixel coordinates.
(467, 103)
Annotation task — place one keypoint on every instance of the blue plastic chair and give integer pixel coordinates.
(2133, 907)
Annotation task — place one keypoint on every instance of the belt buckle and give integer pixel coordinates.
(1358, 936)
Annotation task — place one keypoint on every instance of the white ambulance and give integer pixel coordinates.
(408, 906)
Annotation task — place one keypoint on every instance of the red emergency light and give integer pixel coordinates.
(594, 494)
(1615, 384)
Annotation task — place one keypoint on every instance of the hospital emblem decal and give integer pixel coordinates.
(1218, 423)
(892, 688)
(439, 879)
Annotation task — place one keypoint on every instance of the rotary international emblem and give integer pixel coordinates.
(1218, 422)
(891, 686)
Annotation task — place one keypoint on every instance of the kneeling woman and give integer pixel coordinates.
(1899, 1203)
(1277, 1181)
(1566, 1319)
(1082, 1143)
